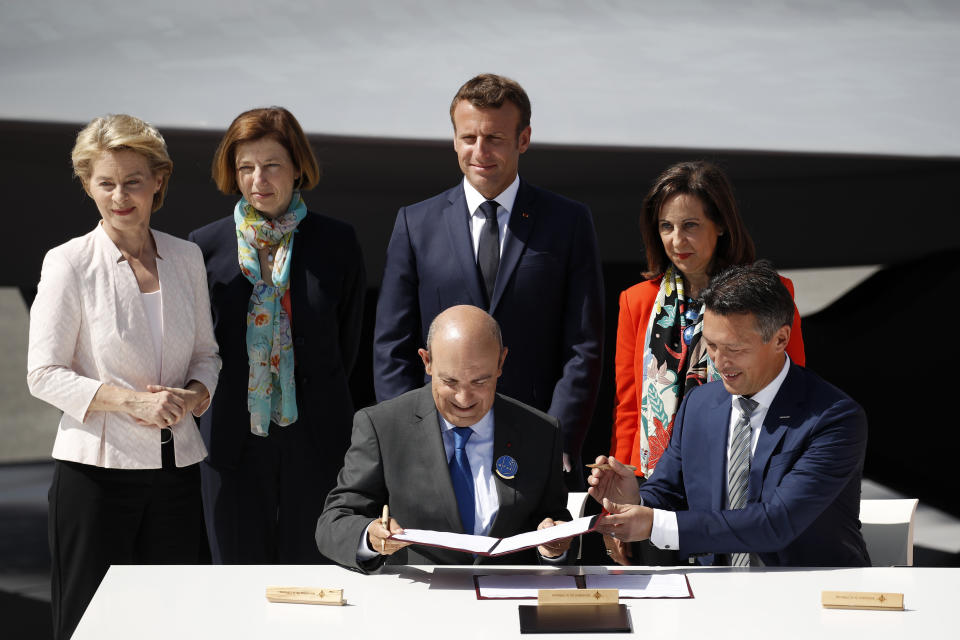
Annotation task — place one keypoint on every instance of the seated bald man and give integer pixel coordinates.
(764, 465)
(453, 456)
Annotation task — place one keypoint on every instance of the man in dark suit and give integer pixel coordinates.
(495, 241)
(764, 465)
(451, 456)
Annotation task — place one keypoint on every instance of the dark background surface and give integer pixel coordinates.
(888, 343)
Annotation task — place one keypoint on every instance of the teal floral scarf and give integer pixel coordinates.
(674, 362)
(271, 390)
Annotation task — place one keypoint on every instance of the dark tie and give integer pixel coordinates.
(462, 477)
(488, 248)
(738, 468)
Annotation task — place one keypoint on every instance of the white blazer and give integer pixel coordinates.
(88, 326)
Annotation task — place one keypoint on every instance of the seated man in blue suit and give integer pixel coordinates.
(526, 255)
(453, 455)
(764, 465)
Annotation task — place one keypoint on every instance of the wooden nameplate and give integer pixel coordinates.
(577, 596)
(306, 595)
(862, 600)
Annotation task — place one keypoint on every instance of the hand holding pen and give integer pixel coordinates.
(379, 532)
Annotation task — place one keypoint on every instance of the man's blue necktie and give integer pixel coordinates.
(462, 477)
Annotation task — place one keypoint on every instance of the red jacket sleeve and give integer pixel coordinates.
(795, 346)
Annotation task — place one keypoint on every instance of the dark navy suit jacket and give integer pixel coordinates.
(804, 494)
(327, 287)
(548, 300)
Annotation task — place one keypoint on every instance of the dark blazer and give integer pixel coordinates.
(804, 494)
(396, 457)
(327, 287)
(548, 300)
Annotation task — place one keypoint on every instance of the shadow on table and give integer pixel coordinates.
(461, 578)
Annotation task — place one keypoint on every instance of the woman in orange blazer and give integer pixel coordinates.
(691, 230)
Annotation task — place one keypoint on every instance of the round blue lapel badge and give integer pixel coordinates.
(506, 467)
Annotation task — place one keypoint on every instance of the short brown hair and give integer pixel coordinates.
(709, 184)
(269, 122)
(117, 132)
(490, 91)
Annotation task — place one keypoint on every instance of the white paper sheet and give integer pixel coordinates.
(459, 541)
(642, 585)
(484, 544)
(524, 586)
(543, 536)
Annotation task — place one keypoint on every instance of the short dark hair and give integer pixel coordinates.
(753, 288)
(709, 184)
(490, 91)
(275, 123)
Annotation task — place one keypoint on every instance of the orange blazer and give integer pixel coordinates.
(636, 305)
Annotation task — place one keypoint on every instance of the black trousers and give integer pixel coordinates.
(99, 517)
(265, 510)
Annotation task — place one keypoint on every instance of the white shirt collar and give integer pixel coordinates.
(764, 397)
(482, 428)
(505, 199)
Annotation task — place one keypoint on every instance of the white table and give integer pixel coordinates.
(424, 602)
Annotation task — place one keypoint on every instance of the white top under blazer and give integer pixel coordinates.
(89, 326)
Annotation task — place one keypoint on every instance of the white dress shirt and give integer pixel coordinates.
(480, 454)
(153, 305)
(505, 201)
(665, 533)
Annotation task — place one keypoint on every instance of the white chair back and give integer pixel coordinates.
(576, 502)
(888, 531)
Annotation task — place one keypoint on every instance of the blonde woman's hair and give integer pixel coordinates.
(116, 132)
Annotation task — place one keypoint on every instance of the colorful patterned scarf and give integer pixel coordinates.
(271, 391)
(673, 352)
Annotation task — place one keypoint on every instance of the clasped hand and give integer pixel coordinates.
(617, 490)
(163, 406)
(557, 547)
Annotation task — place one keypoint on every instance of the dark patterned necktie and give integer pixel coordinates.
(488, 248)
(738, 468)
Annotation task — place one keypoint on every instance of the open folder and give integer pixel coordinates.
(487, 546)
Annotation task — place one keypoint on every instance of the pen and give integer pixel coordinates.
(607, 467)
(385, 522)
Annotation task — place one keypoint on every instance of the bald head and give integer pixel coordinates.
(464, 357)
(465, 322)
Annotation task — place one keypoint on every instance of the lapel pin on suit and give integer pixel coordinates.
(506, 467)
(524, 214)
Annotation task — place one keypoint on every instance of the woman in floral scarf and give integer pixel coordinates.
(287, 288)
(691, 230)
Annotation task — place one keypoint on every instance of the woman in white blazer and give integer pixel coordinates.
(121, 340)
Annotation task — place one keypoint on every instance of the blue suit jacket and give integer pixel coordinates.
(548, 300)
(804, 493)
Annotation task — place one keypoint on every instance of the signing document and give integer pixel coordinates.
(487, 546)
(629, 585)
(642, 585)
